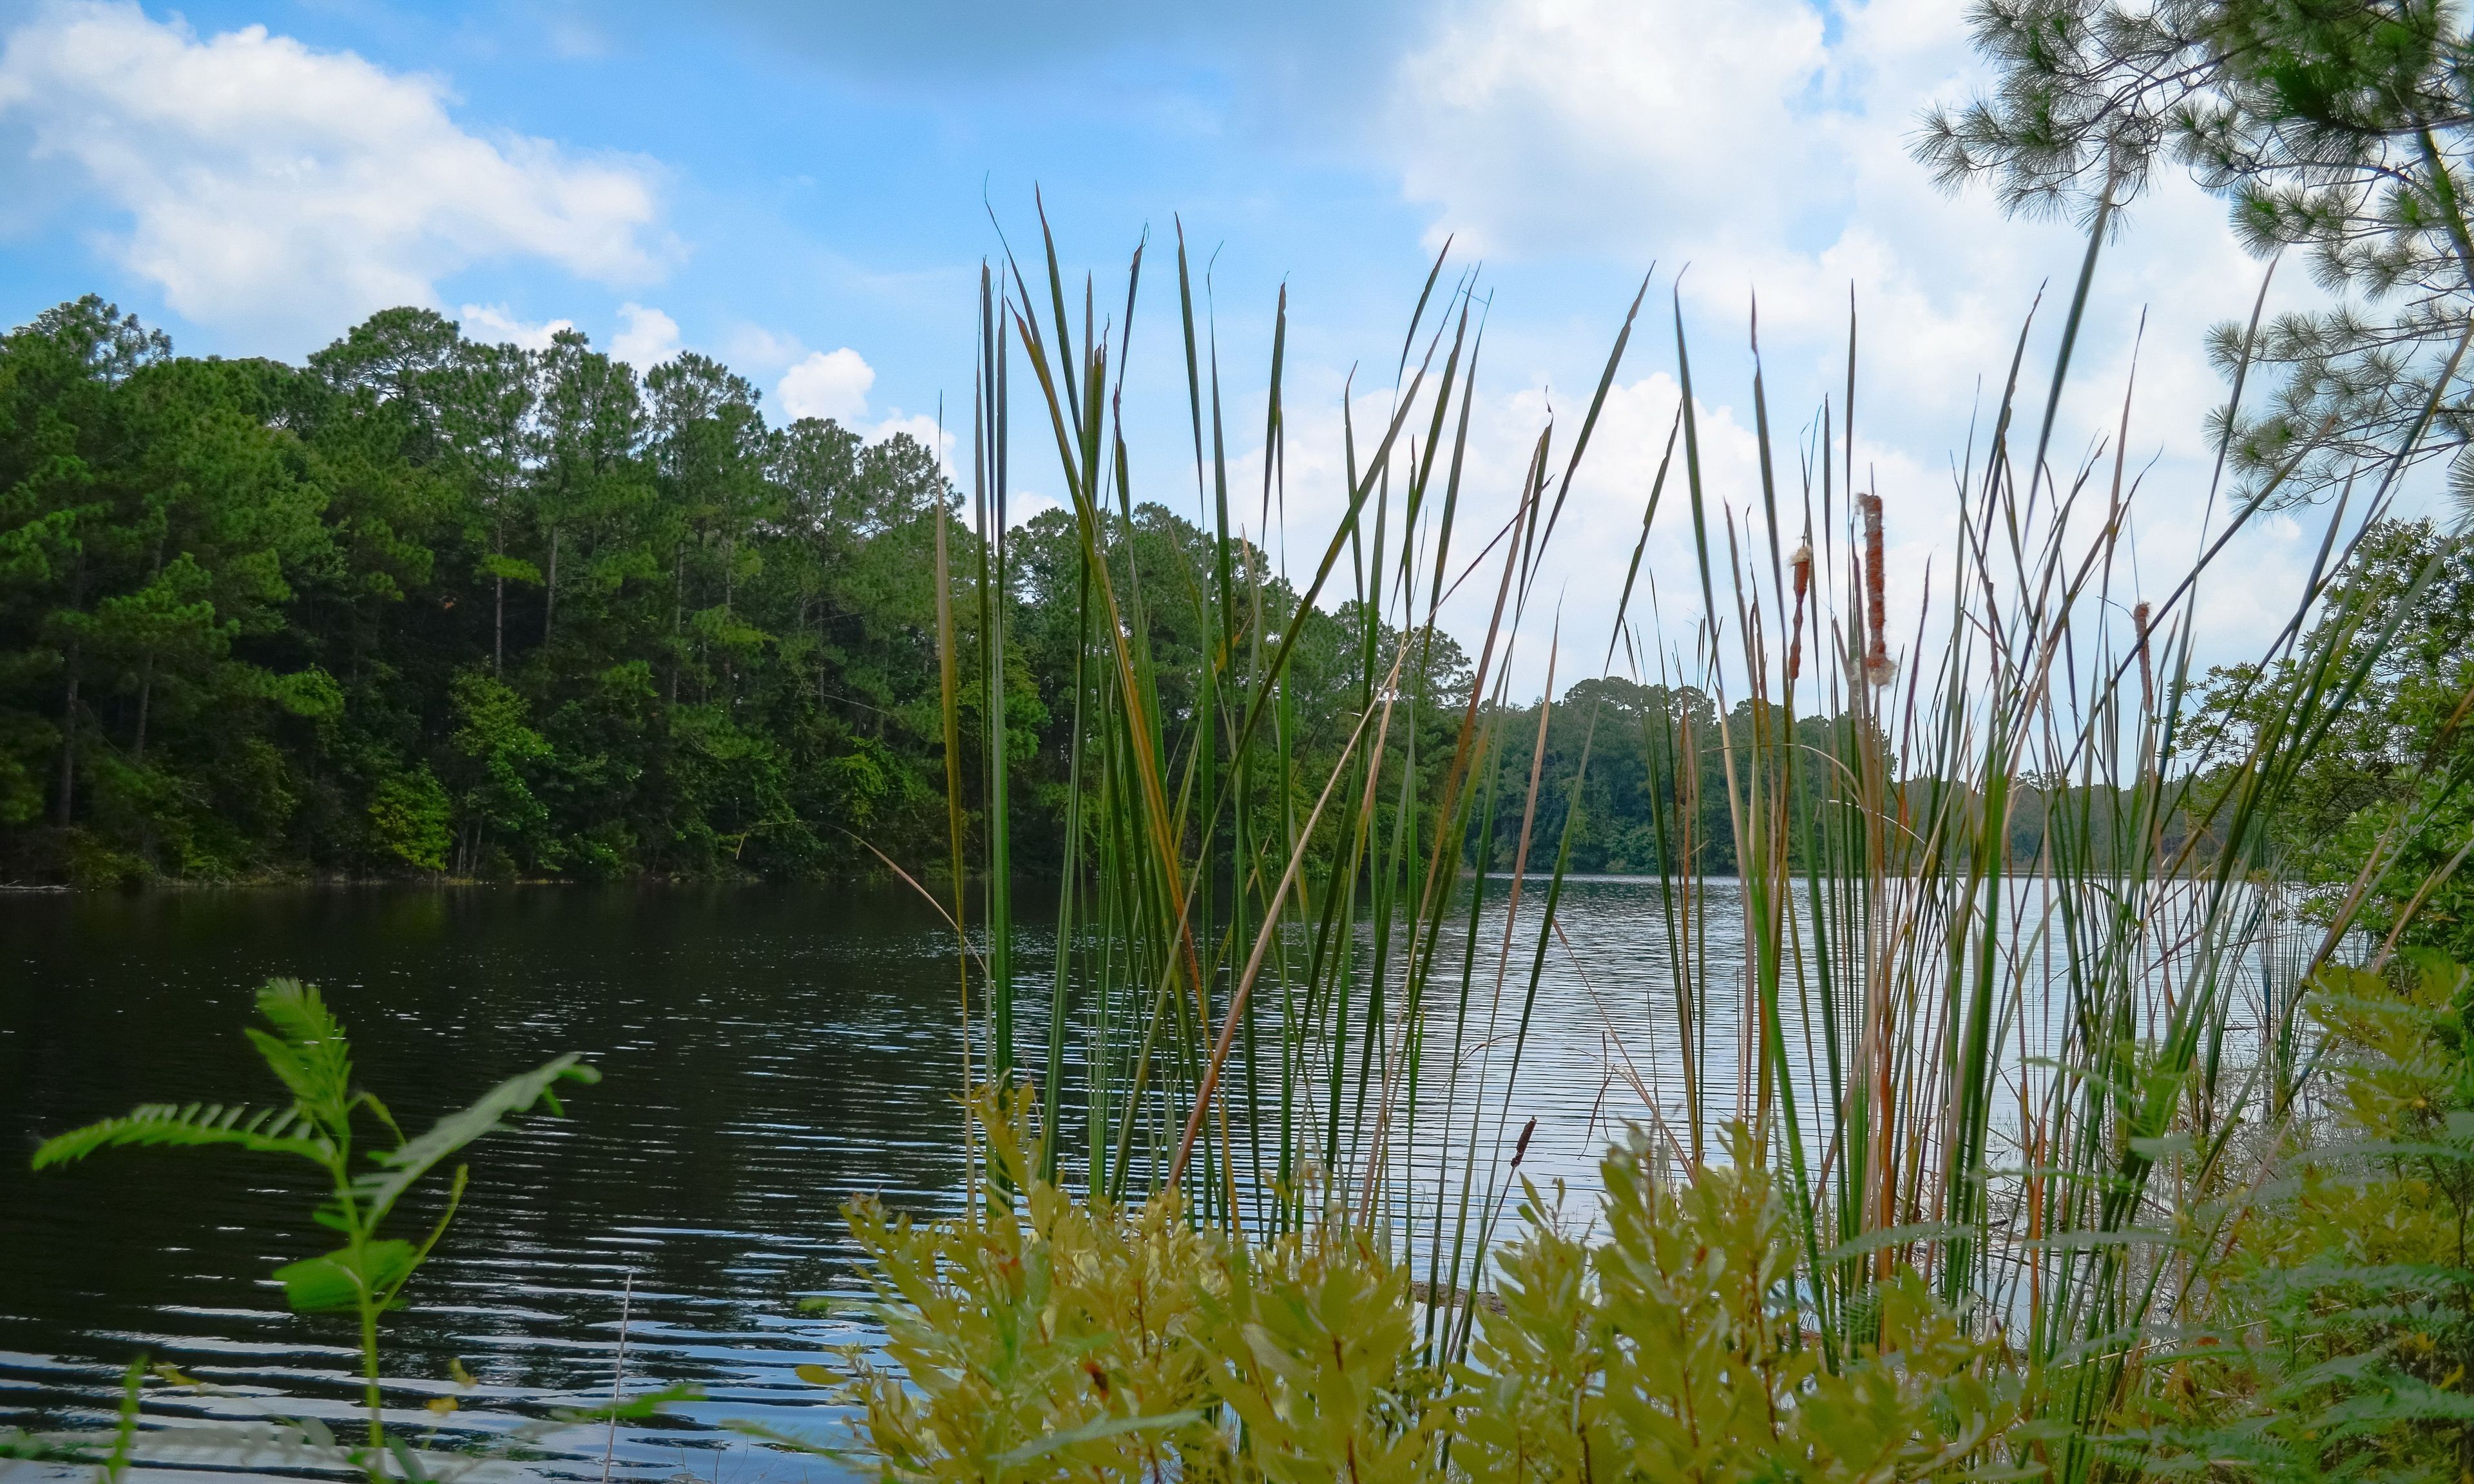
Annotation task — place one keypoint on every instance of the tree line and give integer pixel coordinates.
(429, 605)
(425, 605)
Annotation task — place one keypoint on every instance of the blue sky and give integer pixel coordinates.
(805, 191)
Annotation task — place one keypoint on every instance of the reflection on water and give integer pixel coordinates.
(765, 1055)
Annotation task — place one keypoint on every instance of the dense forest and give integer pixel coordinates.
(429, 605)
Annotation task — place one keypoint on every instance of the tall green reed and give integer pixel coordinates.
(1237, 1035)
(1996, 974)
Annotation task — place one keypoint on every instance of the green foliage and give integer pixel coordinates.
(1039, 1337)
(2339, 127)
(1043, 1337)
(410, 817)
(1655, 797)
(1668, 1352)
(2384, 787)
(430, 604)
(307, 1050)
(2333, 1335)
(1309, 1346)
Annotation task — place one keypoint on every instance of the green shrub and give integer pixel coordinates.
(1666, 1353)
(2335, 1334)
(1041, 1336)
(409, 816)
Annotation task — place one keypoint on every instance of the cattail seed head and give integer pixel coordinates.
(1877, 667)
(1802, 561)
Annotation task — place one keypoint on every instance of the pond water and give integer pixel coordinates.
(766, 1054)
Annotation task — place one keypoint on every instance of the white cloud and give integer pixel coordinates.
(1517, 115)
(834, 384)
(753, 344)
(1771, 153)
(271, 186)
(828, 384)
(646, 339)
(496, 323)
(929, 434)
(1024, 506)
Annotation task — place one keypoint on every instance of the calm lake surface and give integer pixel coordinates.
(766, 1054)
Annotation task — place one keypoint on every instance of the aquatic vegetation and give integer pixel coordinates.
(1041, 1336)
(2017, 982)
(327, 1124)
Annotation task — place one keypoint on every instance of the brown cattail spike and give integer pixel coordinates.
(1878, 668)
(1802, 561)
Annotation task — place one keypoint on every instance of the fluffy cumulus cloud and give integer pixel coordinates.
(1516, 117)
(646, 337)
(828, 384)
(493, 323)
(834, 384)
(273, 187)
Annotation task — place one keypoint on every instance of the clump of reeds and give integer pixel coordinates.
(1994, 1027)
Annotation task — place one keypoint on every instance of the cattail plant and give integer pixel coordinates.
(1251, 942)
(1878, 670)
(1995, 915)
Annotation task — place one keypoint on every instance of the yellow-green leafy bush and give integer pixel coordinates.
(1666, 1352)
(1042, 1336)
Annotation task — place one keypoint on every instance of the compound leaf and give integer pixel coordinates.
(398, 1168)
(338, 1279)
(267, 1130)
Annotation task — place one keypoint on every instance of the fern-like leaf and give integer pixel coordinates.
(398, 1168)
(342, 1279)
(309, 1050)
(266, 1130)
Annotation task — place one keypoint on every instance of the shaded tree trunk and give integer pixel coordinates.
(67, 801)
(550, 600)
(145, 696)
(678, 613)
(146, 683)
(68, 743)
